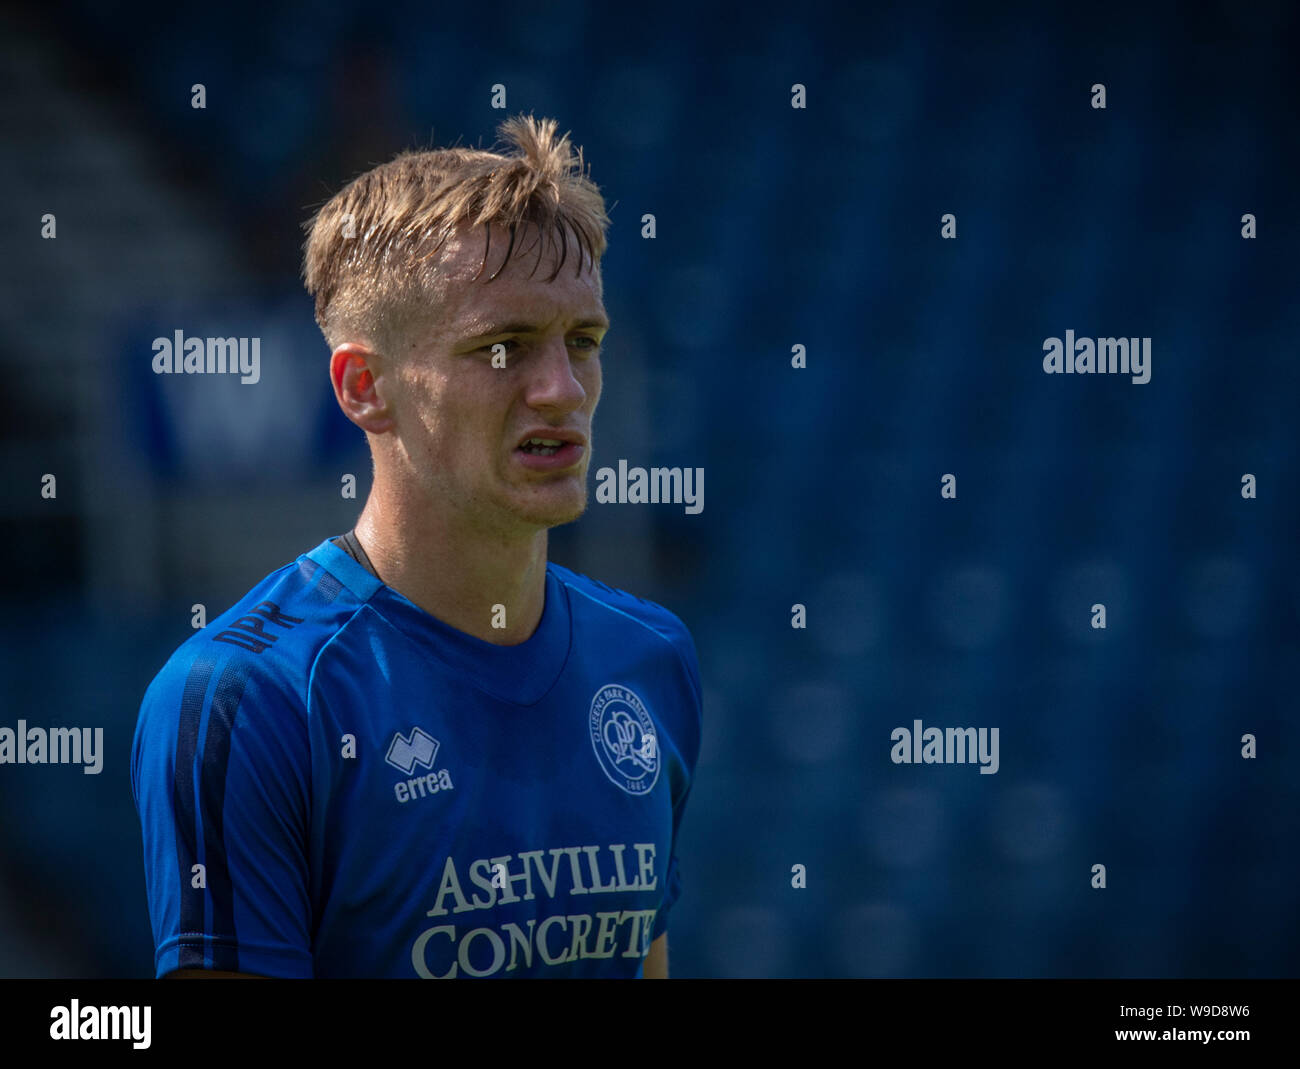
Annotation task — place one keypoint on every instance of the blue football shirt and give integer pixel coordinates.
(331, 782)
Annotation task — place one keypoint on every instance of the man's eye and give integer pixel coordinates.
(590, 344)
(509, 344)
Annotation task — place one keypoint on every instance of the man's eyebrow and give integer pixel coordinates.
(482, 329)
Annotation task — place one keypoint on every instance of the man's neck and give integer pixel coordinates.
(490, 586)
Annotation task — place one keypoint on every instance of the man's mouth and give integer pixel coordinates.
(544, 453)
(541, 447)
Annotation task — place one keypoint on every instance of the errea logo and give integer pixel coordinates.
(419, 749)
(407, 751)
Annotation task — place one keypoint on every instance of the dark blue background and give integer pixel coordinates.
(776, 227)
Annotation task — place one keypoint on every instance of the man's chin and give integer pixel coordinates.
(561, 509)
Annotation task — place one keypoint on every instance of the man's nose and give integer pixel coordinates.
(552, 383)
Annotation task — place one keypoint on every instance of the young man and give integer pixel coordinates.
(420, 749)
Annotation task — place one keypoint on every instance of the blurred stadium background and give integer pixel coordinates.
(776, 227)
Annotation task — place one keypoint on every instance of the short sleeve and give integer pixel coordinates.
(220, 774)
(672, 892)
(689, 730)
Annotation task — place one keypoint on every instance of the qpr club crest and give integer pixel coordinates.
(623, 736)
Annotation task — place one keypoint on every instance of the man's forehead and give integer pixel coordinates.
(468, 253)
(518, 294)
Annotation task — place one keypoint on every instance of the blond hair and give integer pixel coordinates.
(370, 258)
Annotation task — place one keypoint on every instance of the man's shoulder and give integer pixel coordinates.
(638, 614)
(273, 633)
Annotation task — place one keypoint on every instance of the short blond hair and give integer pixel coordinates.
(370, 259)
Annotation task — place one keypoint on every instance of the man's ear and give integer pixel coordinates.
(360, 387)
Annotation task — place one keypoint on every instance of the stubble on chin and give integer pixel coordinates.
(562, 513)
